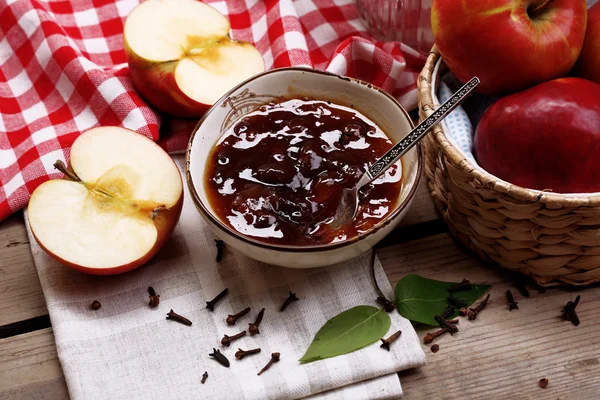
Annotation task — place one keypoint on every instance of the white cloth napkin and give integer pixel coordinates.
(127, 350)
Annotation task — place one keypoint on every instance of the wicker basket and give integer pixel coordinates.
(551, 237)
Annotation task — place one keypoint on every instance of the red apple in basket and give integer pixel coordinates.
(509, 44)
(181, 58)
(547, 137)
(588, 64)
(118, 208)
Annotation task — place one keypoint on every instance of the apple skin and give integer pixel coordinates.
(547, 137)
(498, 42)
(165, 223)
(588, 64)
(155, 81)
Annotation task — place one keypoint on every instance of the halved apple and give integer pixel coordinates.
(181, 58)
(119, 205)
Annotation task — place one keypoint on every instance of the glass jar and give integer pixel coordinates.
(406, 21)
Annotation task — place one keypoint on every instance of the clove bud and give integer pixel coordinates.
(274, 358)
(211, 304)
(154, 298)
(217, 355)
(226, 341)
(387, 342)
(243, 353)
(472, 313)
(178, 318)
(253, 329)
(204, 377)
(232, 318)
(291, 297)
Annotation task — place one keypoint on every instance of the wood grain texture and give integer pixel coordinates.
(21, 295)
(502, 354)
(29, 368)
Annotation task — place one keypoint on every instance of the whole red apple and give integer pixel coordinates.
(510, 45)
(546, 137)
(588, 64)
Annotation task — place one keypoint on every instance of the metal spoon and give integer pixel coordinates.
(348, 206)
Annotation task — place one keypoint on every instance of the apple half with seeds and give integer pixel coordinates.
(119, 202)
(181, 58)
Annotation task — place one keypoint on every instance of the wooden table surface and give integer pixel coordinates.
(501, 355)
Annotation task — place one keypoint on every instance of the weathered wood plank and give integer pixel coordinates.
(29, 368)
(502, 354)
(21, 295)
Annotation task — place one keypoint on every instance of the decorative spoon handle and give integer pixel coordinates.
(416, 134)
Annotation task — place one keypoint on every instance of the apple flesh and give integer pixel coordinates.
(588, 64)
(120, 205)
(181, 58)
(510, 45)
(547, 137)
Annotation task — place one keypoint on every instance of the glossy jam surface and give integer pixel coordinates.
(277, 174)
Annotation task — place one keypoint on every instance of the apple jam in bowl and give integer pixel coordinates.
(267, 164)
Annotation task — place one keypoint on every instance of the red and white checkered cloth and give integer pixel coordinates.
(63, 71)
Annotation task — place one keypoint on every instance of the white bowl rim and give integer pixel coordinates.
(300, 248)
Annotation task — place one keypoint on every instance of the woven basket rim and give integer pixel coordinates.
(518, 193)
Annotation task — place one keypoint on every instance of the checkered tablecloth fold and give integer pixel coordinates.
(63, 71)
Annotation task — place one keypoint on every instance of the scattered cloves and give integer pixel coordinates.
(429, 337)
(178, 318)
(204, 377)
(95, 305)
(286, 303)
(388, 306)
(154, 298)
(253, 327)
(447, 312)
(274, 358)
(543, 383)
(472, 313)
(217, 355)
(446, 324)
(569, 312)
(465, 284)
(226, 341)
(435, 348)
(211, 304)
(387, 342)
(232, 318)
(243, 353)
(512, 304)
(220, 245)
(463, 312)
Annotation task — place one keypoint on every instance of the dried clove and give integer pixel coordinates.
(387, 342)
(435, 348)
(429, 337)
(543, 383)
(465, 284)
(243, 353)
(388, 306)
(253, 327)
(512, 304)
(217, 355)
(232, 318)
(446, 324)
(472, 313)
(274, 358)
(154, 298)
(447, 312)
(456, 303)
(286, 303)
(220, 245)
(211, 304)
(226, 341)
(204, 377)
(178, 318)
(463, 312)
(95, 305)
(520, 285)
(569, 312)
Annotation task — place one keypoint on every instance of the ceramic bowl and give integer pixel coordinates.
(374, 103)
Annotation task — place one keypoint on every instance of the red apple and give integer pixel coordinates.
(547, 137)
(119, 206)
(181, 58)
(509, 44)
(588, 64)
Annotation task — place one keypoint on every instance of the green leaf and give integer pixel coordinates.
(346, 332)
(421, 299)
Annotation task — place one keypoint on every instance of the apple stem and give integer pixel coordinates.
(539, 7)
(59, 165)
